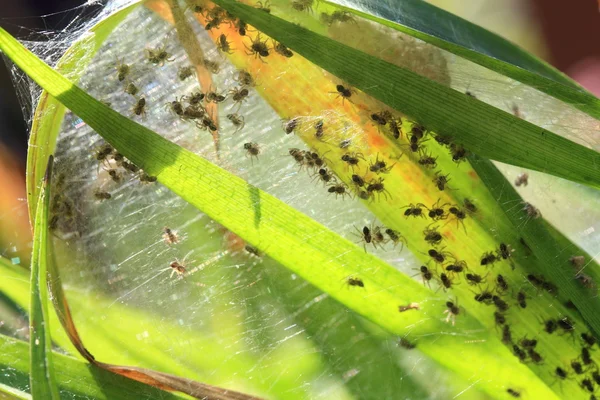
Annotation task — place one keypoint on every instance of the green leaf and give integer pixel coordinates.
(474, 43)
(43, 384)
(507, 138)
(319, 256)
(76, 379)
(9, 393)
(45, 128)
(540, 237)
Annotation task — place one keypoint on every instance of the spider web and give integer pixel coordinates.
(244, 321)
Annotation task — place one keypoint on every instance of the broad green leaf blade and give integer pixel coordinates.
(43, 383)
(49, 112)
(306, 248)
(536, 233)
(471, 42)
(76, 379)
(508, 139)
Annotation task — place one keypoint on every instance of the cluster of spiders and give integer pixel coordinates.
(378, 236)
(447, 270)
(64, 214)
(583, 366)
(116, 165)
(192, 108)
(438, 212)
(443, 266)
(365, 179)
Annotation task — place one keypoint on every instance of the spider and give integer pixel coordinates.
(266, 6)
(170, 236)
(282, 49)
(239, 95)
(426, 274)
(376, 186)
(185, 72)
(101, 195)
(224, 45)
(432, 236)
(531, 210)
(253, 250)
(175, 106)
(396, 237)
(459, 215)
(436, 212)
(457, 267)
(501, 284)
(441, 180)
(488, 258)
(380, 166)
(291, 125)
(452, 310)
(340, 189)
(244, 78)
(140, 107)
(352, 159)
(416, 210)
(351, 281)
(395, 128)
(122, 70)
(382, 117)
(102, 153)
(344, 92)
(427, 161)
(324, 175)
(365, 236)
(178, 267)
(358, 181)
(214, 96)
(252, 150)
(522, 179)
(237, 120)
(158, 56)
(302, 5)
(474, 279)
(258, 48)
(439, 256)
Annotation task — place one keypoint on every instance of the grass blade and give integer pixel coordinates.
(476, 44)
(508, 139)
(75, 378)
(203, 185)
(43, 383)
(9, 393)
